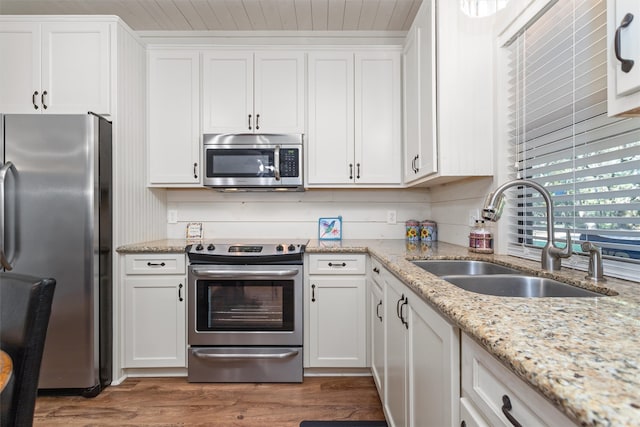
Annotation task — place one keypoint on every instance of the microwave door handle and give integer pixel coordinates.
(276, 163)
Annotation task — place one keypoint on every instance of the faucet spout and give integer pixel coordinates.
(551, 254)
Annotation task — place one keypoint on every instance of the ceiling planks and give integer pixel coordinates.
(232, 15)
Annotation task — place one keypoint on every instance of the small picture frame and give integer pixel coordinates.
(330, 228)
(194, 230)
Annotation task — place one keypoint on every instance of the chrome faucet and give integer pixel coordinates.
(551, 254)
(595, 271)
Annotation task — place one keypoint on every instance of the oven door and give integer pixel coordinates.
(237, 305)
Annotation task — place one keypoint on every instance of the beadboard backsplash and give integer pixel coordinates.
(295, 215)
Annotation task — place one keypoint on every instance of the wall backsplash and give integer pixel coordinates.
(295, 215)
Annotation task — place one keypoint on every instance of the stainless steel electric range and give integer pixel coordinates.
(245, 311)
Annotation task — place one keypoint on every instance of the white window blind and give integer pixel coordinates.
(562, 138)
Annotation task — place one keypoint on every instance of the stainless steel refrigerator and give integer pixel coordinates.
(55, 221)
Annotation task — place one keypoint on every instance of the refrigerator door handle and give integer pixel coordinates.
(6, 263)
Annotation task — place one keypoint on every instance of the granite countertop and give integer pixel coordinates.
(583, 354)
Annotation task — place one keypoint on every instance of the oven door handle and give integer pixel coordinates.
(284, 355)
(244, 274)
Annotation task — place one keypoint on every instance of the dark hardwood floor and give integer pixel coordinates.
(175, 402)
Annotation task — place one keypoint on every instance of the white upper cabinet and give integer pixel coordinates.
(623, 41)
(55, 67)
(254, 93)
(354, 110)
(174, 118)
(448, 61)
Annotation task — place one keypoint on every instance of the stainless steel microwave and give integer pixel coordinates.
(253, 162)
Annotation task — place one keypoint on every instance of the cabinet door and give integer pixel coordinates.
(469, 416)
(20, 70)
(627, 80)
(396, 398)
(174, 135)
(76, 73)
(378, 143)
(337, 317)
(420, 96)
(411, 88)
(331, 128)
(623, 87)
(377, 315)
(227, 92)
(279, 92)
(154, 315)
(434, 366)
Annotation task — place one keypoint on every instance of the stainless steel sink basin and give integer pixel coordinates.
(512, 285)
(446, 267)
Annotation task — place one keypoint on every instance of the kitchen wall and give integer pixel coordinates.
(454, 205)
(295, 215)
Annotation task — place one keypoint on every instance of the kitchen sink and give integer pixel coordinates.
(514, 285)
(447, 267)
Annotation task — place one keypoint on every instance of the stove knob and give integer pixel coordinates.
(279, 248)
(291, 248)
(199, 247)
(211, 247)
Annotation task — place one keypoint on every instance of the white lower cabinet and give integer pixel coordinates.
(422, 361)
(493, 393)
(154, 311)
(377, 313)
(336, 308)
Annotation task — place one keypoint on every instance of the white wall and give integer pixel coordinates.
(453, 205)
(295, 215)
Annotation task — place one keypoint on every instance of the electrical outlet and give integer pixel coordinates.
(172, 216)
(391, 217)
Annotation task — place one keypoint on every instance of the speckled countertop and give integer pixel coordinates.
(583, 354)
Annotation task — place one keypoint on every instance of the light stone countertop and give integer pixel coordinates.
(583, 354)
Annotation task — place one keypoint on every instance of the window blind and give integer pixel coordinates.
(562, 138)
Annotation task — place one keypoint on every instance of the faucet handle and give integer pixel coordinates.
(563, 253)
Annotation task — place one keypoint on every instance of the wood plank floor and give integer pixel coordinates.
(175, 402)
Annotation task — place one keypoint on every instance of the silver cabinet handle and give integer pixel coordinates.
(6, 263)
(33, 100)
(44, 104)
(283, 355)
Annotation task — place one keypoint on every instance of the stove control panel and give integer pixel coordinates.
(242, 249)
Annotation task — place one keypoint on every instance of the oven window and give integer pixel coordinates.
(229, 163)
(244, 305)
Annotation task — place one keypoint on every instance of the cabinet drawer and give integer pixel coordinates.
(337, 264)
(486, 381)
(155, 264)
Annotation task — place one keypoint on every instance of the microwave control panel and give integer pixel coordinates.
(289, 162)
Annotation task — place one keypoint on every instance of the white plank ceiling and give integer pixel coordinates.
(234, 15)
